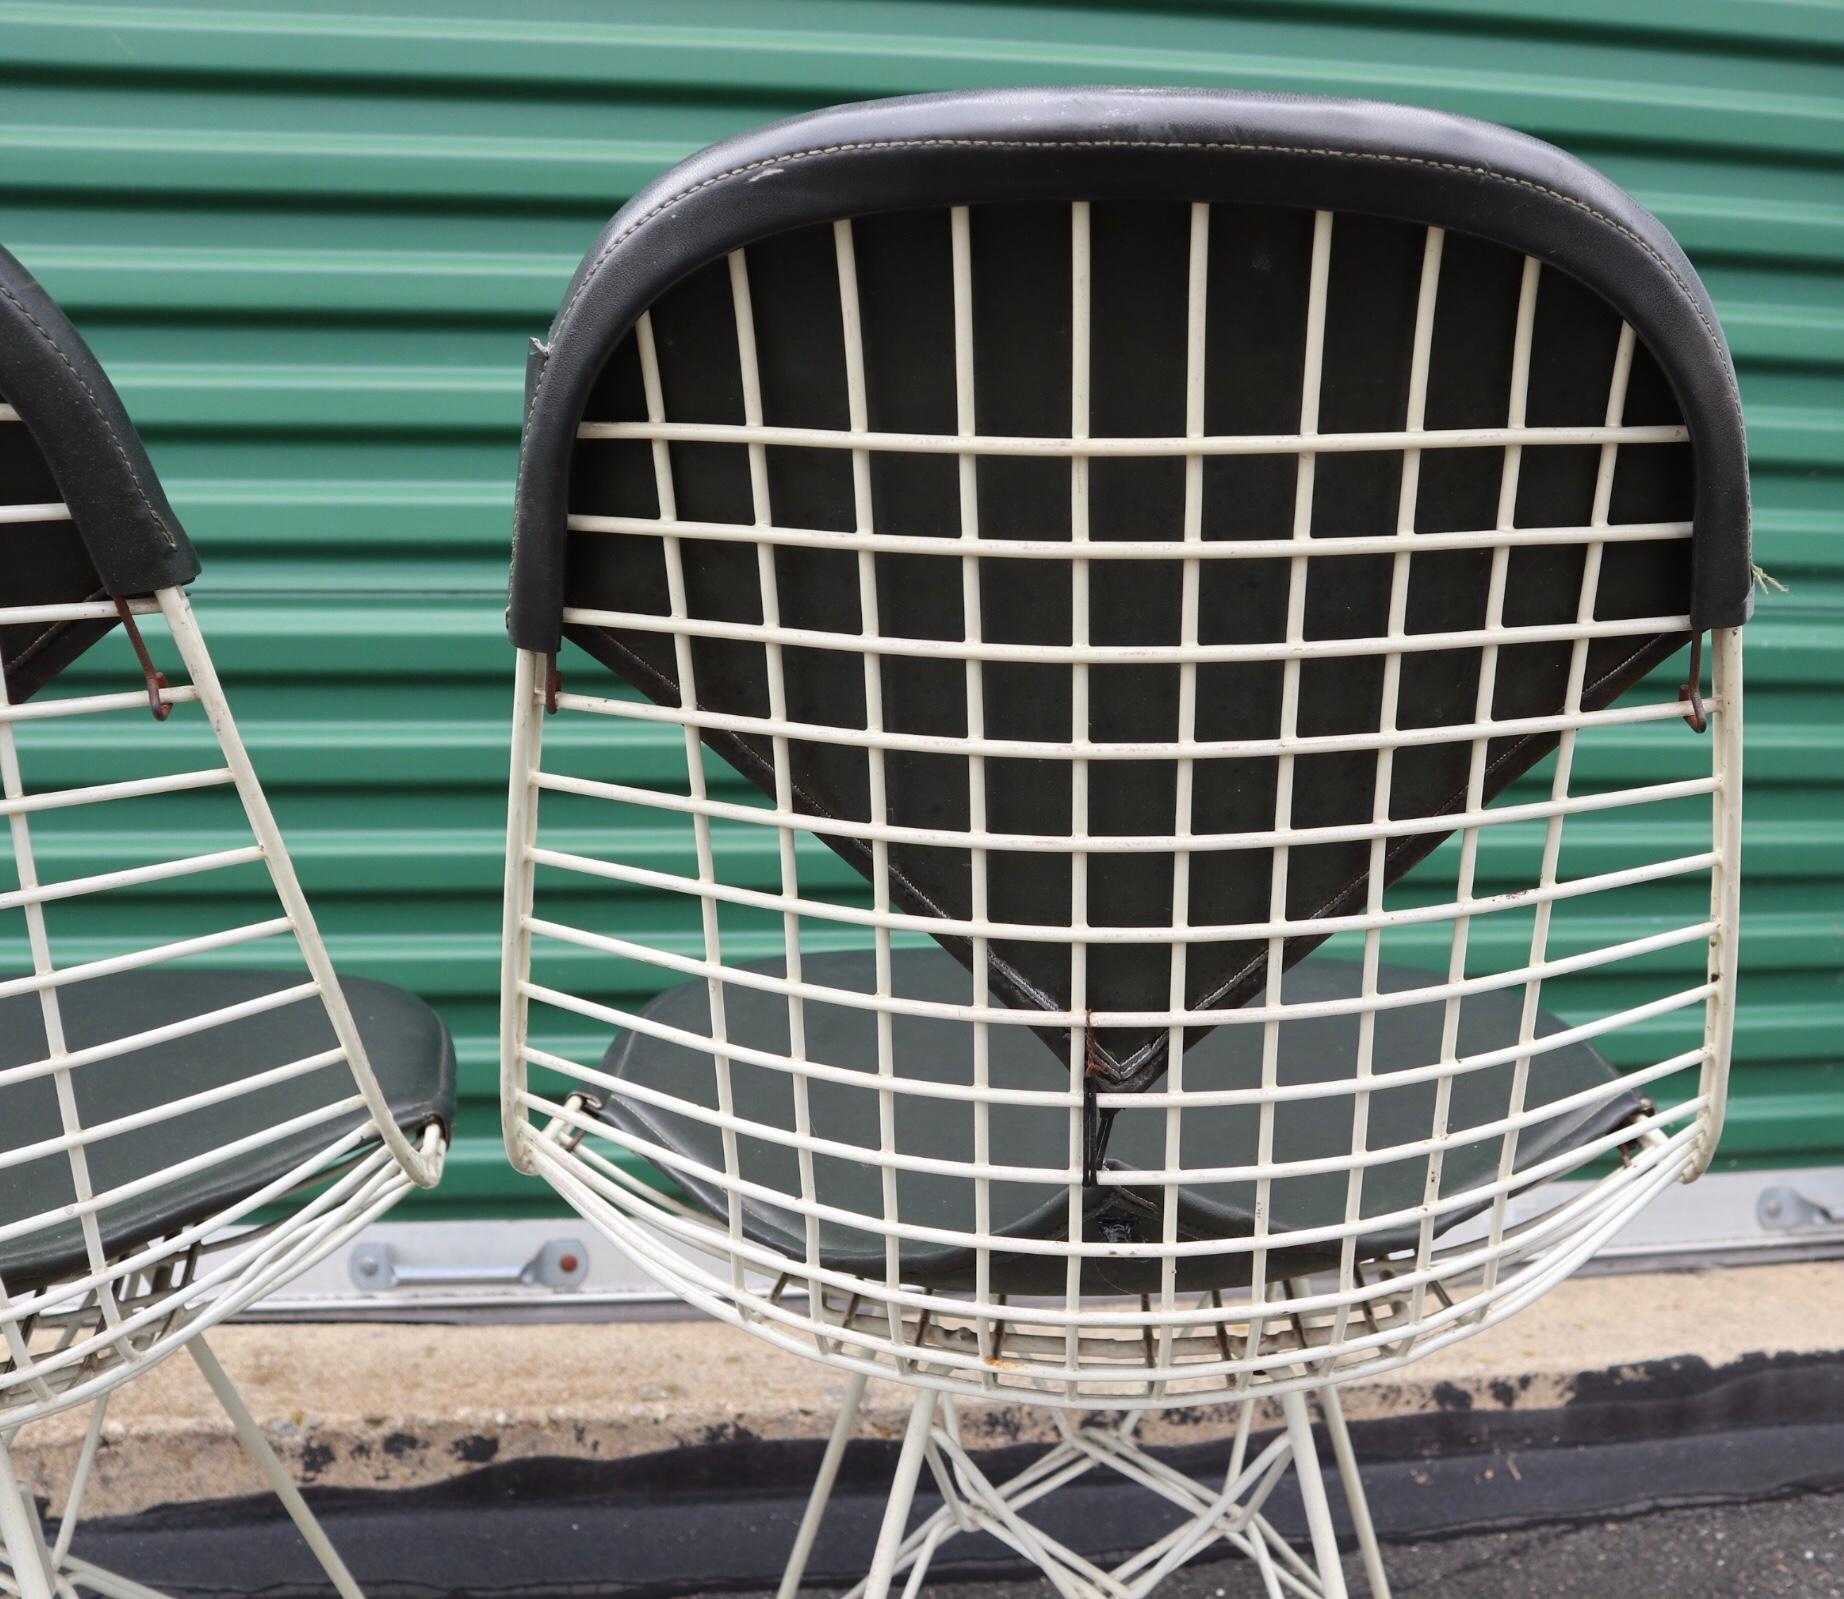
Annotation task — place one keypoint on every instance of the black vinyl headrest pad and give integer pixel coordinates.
(71, 442)
(986, 146)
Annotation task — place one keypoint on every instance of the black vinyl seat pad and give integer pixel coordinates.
(408, 1045)
(1257, 308)
(1322, 1049)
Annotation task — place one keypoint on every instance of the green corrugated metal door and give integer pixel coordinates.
(310, 242)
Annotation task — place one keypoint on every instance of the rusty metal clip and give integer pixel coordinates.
(156, 680)
(1692, 692)
(553, 685)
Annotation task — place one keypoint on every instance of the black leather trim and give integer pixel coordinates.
(1110, 143)
(68, 405)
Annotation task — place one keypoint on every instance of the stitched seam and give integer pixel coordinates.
(101, 415)
(1244, 147)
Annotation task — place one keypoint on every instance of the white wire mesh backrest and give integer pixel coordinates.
(1131, 596)
(176, 1055)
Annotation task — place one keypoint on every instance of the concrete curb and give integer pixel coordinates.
(398, 1406)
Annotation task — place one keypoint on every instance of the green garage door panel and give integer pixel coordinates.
(310, 243)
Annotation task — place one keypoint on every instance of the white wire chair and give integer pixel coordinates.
(1042, 564)
(177, 1136)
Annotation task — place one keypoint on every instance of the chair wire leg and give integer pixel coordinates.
(1332, 1408)
(1312, 1494)
(902, 1494)
(821, 1495)
(79, 1482)
(20, 1533)
(274, 1473)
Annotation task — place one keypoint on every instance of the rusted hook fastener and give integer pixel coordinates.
(553, 685)
(1692, 692)
(156, 680)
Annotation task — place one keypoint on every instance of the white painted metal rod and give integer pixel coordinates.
(20, 1533)
(902, 1494)
(168, 1110)
(1312, 1495)
(262, 1454)
(1123, 843)
(80, 1480)
(1088, 654)
(219, 1234)
(1036, 932)
(180, 949)
(179, 1170)
(95, 704)
(1134, 448)
(1457, 1064)
(131, 877)
(69, 610)
(1618, 1201)
(1060, 550)
(1013, 1017)
(1059, 1176)
(892, 1228)
(424, 1169)
(821, 1493)
(49, 511)
(247, 1266)
(1118, 750)
(1583, 1222)
(1332, 1409)
(1617, 1197)
(133, 1042)
(103, 793)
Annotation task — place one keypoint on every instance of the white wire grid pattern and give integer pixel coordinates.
(75, 1338)
(1171, 1346)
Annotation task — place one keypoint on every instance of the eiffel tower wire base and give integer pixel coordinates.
(1231, 1512)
